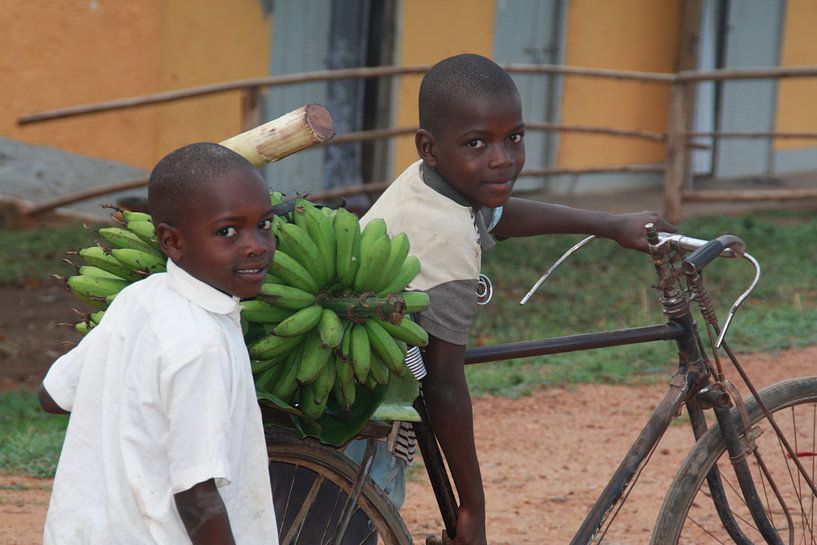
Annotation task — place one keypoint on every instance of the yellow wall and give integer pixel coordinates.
(73, 52)
(628, 35)
(229, 40)
(433, 30)
(795, 99)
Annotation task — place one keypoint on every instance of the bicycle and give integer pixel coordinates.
(759, 472)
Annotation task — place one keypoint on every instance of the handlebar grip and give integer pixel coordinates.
(701, 257)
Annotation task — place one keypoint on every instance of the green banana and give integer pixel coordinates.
(310, 406)
(344, 388)
(119, 237)
(272, 345)
(385, 347)
(313, 359)
(323, 384)
(374, 253)
(260, 312)
(96, 317)
(132, 215)
(96, 256)
(346, 342)
(407, 330)
(90, 270)
(297, 243)
(319, 228)
(283, 296)
(344, 370)
(272, 279)
(259, 366)
(293, 273)
(144, 230)
(276, 197)
(371, 383)
(339, 392)
(416, 301)
(376, 228)
(300, 322)
(287, 382)
(378, 370)
(360, 352)
(347, 235)
(140, 260)
(95, 290)
(409, 269)
(82, 327)
(330, 329)
(398, 252)
(268, 377)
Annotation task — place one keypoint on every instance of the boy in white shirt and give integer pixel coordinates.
(165, 443)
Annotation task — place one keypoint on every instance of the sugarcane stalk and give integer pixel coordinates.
(288, 134)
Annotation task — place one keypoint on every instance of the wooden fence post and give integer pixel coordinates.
(250, 107)
(677, 154)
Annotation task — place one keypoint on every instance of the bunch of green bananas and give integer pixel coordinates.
(332, 312)
(131, 252)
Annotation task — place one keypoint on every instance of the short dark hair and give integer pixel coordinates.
(457, 77)
(179, 175)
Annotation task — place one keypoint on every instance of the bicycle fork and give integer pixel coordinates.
(739, 446)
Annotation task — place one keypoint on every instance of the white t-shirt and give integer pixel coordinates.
(161, 398)
(442, 230)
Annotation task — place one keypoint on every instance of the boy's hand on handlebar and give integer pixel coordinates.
(628, 229)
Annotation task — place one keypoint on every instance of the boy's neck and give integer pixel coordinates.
(435, 181)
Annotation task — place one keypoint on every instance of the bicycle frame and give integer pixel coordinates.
(692, 377)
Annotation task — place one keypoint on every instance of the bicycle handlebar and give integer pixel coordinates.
(690, 244)
(701, 257)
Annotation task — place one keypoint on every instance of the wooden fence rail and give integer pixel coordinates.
(678, 137)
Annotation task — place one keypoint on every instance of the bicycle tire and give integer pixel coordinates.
(688, 514)
(307, 459)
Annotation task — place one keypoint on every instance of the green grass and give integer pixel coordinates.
(36, 254)
(605, 287)
(31, 438)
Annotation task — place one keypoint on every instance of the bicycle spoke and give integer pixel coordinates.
(330, 520)
(289, 494)
(707, 532)
(797, 484)
(295, 528)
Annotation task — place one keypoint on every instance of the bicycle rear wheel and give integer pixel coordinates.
(688, 514)
(310, 485)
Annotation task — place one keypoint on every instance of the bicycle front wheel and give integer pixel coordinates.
(310, 485)
(689, 513)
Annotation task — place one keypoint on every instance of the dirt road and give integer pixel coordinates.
(544, 460)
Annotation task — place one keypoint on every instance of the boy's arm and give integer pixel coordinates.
(524, 217)
(445, 392)
(47, 402)
(204, 516)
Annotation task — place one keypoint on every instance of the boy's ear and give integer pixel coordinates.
(170, 241)
(426, 147)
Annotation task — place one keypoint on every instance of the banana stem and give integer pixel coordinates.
(360, 309)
